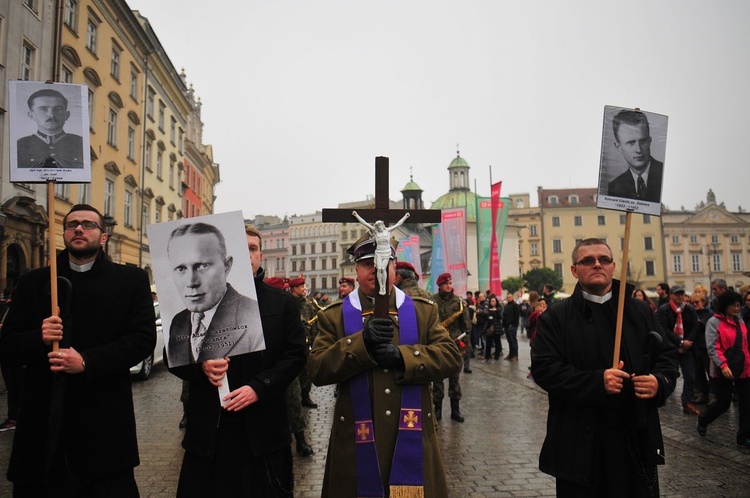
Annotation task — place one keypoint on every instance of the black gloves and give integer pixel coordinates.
(388, 356)
(377, 331)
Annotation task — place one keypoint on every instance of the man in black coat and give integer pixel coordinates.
(603, 432)
(680, 324)
(244, 448)
(511, 317)
(76, 431)
(642, 180)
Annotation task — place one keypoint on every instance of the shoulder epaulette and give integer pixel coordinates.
(423, 299)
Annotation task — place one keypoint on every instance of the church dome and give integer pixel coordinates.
(459, 198)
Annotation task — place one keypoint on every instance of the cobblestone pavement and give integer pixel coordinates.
(493, 454)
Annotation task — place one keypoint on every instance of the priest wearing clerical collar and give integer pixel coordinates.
(51, 146)
(383, 441)
(604, 435)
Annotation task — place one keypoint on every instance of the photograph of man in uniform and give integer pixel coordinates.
(642, 180)
(217, 320)
(51, 146)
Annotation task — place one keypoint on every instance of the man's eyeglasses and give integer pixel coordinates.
(85, 224)
(591, 261)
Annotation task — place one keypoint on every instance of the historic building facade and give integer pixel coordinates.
(314, 252)
(707, 243)
(570, 215)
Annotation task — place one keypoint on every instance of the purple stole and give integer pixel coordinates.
(407, 477)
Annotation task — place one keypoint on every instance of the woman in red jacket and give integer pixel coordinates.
(721, 334)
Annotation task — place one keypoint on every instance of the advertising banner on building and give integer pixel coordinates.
(485, 240)
(453, 235)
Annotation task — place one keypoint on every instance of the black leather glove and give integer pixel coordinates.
(388, 356)
(377, 331)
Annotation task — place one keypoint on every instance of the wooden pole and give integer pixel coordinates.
(52, 254)
(621, 294)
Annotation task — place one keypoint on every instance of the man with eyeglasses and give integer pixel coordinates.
(76, 431)
(604, 436)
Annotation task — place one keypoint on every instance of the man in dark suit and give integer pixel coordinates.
(217, 321)
(76, 427)
(50, 146)
(643, 178)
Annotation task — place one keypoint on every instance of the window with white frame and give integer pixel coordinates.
(532, 230)
(578, 221)
(134, 83)
(91, 36)
(648, 243)
(601, 220)
(650, 271)
(716, 260)
(677, 263)
(128, 215)
(557, 246)
(114, 66)
(555, 221)
(159, 159)
(147, 158)
(695, 263)
(162, 112)
(62, 191)
(623, 219)
(559, 269)
(112, 128)
(180, 140)
(66, 75)
(534, 249)
(171, 174)
(131, 143)
(150, 96)
(736, 263)
(109, 197)
(519, 204)
(553, 200)
(693, 239)
(734, 239)
(71, 14)
(145, 215)
(172, 130)
(714, 239)
(91, 108)
(84, 190)
(27, 61)
(675, 239)
(646, 219)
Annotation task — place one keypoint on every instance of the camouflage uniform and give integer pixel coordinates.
(447, 307)
(411, 288)
(308, 310)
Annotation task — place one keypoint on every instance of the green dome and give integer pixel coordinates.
(459, 162)
(411, 186)
(458, 198)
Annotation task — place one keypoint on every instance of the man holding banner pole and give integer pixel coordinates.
(604, 435)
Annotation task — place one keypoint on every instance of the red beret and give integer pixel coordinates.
(346, 280)
(443, 278)
(405, 265)
(294, 282)
(277, 282)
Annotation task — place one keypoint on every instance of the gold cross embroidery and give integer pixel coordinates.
(363, 431)
(410, 419)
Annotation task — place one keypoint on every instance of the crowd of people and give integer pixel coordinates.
(387, 353)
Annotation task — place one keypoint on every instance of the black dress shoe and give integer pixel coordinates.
(183, 422)
(467, 370)
(308, 403)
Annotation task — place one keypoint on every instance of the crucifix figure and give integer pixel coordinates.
(382, 236)
(385, 215)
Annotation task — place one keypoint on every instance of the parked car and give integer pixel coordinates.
(142, 370)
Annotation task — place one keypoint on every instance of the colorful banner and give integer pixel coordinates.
(453, 236)
(437, 267)
(495, 282)
(408, 250)
(485, 238)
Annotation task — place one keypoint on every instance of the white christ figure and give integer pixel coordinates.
(382, 236)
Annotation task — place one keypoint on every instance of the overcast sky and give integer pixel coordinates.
(300, 97)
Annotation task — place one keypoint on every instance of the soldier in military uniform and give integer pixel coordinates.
(346, 286)
(406, 280)
(455, 317)
(308, 308)
(383, 367)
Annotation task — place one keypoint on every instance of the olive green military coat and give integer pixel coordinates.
(336, 358)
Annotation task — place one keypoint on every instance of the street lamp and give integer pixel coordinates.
(109, 227)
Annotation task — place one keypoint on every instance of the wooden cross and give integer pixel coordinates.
(383, 213)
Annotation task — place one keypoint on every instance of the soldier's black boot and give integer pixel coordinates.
(439, 410)
(303, 449)
(456, 411)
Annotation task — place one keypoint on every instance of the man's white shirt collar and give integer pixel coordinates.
(597, 299)
(644, 175)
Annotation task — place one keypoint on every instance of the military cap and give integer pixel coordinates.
(346, 280)
(295, 282)
(443, 278)
(364, 248)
